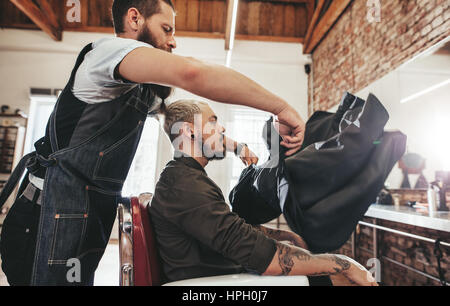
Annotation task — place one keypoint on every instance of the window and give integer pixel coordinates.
(142, 174)
(141, 177)
(246, 126)
(41, 108)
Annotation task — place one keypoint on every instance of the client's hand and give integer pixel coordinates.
(357, 274)
(248, 157)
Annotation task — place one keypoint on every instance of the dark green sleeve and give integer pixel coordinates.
(197, 207)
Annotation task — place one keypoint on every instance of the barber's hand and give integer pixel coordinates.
(292, 139)
(357, 274)
(248, 157)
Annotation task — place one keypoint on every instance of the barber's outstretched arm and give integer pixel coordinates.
(291, 260)
(215, 82)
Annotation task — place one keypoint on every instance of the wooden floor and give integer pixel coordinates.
(107, 272)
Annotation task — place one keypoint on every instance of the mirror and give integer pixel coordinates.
(417, 97)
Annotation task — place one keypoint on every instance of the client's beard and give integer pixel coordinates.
(160, 91)
(216, 155)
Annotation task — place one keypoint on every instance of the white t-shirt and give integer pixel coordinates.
(94, 80)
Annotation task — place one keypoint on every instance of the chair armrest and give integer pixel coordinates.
(126, 276)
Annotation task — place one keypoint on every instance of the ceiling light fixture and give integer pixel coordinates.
(230, 30)
(425, 91)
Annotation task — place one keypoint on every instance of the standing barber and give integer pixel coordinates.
(67, 203)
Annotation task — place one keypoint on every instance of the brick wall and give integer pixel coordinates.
(356, 52)
(405, 251)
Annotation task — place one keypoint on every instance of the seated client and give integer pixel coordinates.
(197, 234)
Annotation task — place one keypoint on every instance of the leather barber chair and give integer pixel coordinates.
(139, 261)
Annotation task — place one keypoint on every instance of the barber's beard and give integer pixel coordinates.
(146, 36)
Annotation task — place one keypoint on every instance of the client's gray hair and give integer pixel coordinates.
(179, 111)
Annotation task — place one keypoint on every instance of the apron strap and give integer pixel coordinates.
(32, 161)
(52, 119)
(14, 178)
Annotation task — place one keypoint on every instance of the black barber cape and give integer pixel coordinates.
(328, 185)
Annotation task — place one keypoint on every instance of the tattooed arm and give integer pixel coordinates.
(291, 260)
(281, 235)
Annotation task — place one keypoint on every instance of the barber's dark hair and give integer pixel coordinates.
(146, 7)
(161, 91)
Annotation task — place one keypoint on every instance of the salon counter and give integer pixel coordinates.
(439, 220)
(403, 241)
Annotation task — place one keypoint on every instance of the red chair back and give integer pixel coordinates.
(145, 256)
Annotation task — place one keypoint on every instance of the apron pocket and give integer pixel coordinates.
(102, 206)
(114, 162)
(67, 236)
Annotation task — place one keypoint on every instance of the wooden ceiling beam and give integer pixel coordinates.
(110, 30)
(281, 1)
(333, 13)
(47, 9)
(314, 20)
(309, 12)
(45, 19)
(276, 1)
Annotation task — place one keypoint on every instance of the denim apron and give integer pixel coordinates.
(83, 183)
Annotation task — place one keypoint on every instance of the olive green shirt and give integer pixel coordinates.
(197, 234)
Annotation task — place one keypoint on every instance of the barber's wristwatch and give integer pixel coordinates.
(239, 148)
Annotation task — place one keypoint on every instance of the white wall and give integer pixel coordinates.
(31, 59)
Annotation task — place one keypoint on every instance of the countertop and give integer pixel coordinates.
(439, 220)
